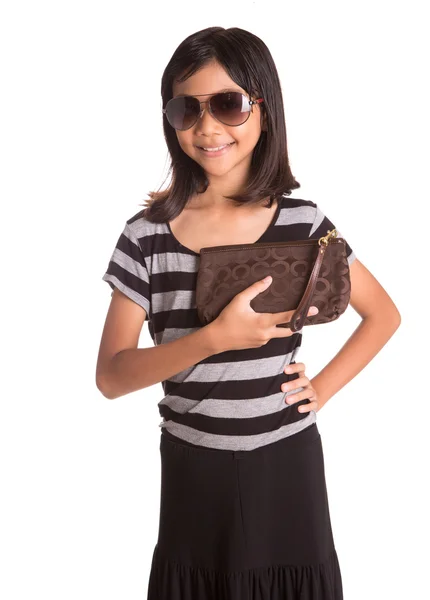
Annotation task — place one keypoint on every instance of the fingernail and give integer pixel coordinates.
(313, 310)
(288, 370)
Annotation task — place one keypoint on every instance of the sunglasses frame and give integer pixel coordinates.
(251, 102)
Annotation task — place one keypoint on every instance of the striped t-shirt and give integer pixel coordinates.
(231, 400)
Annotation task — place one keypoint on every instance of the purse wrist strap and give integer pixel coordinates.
(299, 317)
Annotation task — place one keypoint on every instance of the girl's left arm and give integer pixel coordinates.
(380, 319)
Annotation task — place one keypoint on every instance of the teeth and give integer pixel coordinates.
(215, 149)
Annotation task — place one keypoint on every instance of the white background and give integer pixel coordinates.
(81, 145)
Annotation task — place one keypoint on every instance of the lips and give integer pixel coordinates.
(215, 148)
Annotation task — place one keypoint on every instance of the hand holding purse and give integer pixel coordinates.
(304, 273)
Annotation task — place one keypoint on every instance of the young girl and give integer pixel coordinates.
(244, 511)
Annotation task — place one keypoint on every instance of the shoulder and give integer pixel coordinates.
(291, 203)
(297, 210)
(141, 228)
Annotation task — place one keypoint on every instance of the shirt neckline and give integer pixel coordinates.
(260, 239)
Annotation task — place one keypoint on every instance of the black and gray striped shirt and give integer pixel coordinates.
(231, 400)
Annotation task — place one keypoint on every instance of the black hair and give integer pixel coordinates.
(248, 62)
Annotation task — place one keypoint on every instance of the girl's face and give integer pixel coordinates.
(208, 132)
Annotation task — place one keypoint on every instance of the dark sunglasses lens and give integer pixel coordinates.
(182, 112)
(231, 108)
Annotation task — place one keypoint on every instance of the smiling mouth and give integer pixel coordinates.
(215, 149)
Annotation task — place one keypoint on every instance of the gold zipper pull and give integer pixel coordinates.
(325, 238)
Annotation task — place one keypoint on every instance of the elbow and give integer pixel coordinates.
(390, 317)
(104, 388)
(390, 314)
(394, 320)
(397, 318)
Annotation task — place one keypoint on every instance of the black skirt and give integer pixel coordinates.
(244, 525)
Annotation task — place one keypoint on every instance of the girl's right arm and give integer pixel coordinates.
(123, 368)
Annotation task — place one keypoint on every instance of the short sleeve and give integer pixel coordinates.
(127, 269)
(319, 227)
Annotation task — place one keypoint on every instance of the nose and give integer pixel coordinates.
(205, 120)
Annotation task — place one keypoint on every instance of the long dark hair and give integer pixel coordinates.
(248, 62)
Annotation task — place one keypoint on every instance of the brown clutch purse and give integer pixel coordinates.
(311, 272)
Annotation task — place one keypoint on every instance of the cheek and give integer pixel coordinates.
(248, 139)
(250, 132)
(185, 143)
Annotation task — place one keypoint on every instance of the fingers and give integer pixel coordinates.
(307, 393)
(303, 408)
(294, 367)
(302, 381)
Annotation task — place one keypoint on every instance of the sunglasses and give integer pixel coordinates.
(229, 108)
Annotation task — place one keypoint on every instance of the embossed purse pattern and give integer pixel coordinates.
(304, 273)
